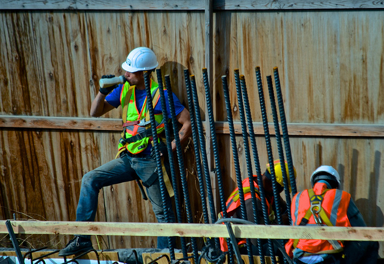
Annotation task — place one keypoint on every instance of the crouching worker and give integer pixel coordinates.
(327, 205)
(233, 205)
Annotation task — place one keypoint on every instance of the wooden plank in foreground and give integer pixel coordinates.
(195, 230)
(181, 5)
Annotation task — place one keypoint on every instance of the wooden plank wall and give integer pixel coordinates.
(331, 68)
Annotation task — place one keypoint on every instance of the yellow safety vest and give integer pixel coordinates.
(136, 122)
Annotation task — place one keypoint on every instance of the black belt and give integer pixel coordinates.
(146, 133)
(139, 155)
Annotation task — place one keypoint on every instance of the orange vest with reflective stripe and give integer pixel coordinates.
(233, 202)
(335, 203)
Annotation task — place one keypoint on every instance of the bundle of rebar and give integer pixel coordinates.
(212, 248)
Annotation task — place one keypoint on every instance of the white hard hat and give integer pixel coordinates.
(140, 59)
(325, 172)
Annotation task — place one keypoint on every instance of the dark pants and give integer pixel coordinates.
(361, 252)
(355, 252)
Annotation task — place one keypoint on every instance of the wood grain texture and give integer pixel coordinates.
(188, 5)
(294, 5)
(196, 230)
(331, 69)
(322, 79)
(111, 124)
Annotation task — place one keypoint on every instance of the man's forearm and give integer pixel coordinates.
(100, 106)
(183, 133)
(97, 105)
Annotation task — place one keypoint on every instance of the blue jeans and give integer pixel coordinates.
(123, 169)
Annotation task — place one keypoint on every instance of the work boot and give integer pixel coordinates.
(75, 246)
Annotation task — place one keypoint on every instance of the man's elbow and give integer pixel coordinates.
(94, 113)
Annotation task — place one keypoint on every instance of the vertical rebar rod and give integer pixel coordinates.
(247, 158)
(214, 142)
(179, 153)
(170, 157)
(253, 143)
(196, 147)
(279, 145)
(15, 244)
(284, 132)
(268, 142)
(203, 151)
(157, 156)
(235, 153)
(268, 147)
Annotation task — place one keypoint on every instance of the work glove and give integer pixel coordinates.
(162, 148)
(107, 90)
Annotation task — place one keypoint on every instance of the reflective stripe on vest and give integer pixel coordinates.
(335, 204)
(233, 202)
(142, 115)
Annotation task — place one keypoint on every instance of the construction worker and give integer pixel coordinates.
(233, 204)
(327, 205)
(135, 159)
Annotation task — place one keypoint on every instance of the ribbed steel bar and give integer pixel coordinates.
(196, 147)
(179, 153)
(253, 144)
(170, 157)
(235, 154)
(268, 147)
(203, 151)
(204, 156)
(157, 157)
(284, 132)
(268, 143)
(214, 142)
(248, 161)
(279, 145)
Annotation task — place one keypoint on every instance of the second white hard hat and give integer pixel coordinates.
(325, 172)
(140, 59)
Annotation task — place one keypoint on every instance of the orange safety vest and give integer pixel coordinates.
(333, 212)
(233, 202)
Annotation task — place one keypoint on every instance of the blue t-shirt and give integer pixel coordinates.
(113, 99)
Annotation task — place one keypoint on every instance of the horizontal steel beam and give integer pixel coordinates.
(113, 124)
(187, 5)
(195, 230)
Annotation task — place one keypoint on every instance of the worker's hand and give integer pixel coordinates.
(162, 148)
(107, 90)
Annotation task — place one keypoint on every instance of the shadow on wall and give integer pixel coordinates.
(176, 72)
(368, 207)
